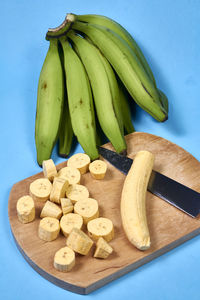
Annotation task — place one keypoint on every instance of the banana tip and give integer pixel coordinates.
(63, 155)
(124, 152)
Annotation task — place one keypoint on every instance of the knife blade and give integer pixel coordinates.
(175, 193)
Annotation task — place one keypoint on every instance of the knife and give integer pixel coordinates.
(160, 185)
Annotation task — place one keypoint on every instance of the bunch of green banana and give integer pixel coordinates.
(92, 68)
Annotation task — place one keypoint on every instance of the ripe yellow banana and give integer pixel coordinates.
(80, 100)
(49, 103)
(101, 90)
(133, 200)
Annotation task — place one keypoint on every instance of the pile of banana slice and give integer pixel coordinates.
(92, 69)
(69, 209)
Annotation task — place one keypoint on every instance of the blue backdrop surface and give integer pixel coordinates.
(168, 33)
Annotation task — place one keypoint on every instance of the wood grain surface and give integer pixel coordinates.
(168, 226)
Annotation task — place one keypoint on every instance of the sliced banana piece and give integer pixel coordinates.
(79, 241)
(70, 221)
(51, 209)
(49, 169)
(103, 249)
(101, 227)
(72, 174)
(64, 259)
(49, 229)
(87, 208)
(40, 189)
(25, 209)
(59, 188)
(77, 192)
(98, 169)
(79, 161)
(67, 206)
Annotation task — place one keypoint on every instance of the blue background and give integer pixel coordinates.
(168, 33)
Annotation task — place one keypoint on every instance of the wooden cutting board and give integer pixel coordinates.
(168, 226)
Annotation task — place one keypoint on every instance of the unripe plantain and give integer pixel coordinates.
(125, 108)
(89, 55)
(80, 100)
(49, 103)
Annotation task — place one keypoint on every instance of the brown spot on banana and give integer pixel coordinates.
(44, 85)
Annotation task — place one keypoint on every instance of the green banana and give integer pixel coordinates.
(49, 103)
(80, 100)
(101, 90)
(125, 109)
(114, 89)
(121, 31)
(127, 66)
(66, 132)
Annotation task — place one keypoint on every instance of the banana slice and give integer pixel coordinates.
(49, 229)
(101, 227)
(103, 249)
(79, 161)
(67, 206)
(40, 189)
(64, 259)
(87, 208)
(79, 241)
(77, 192)
(72, 174)
(59, 188)
(70, 221)
(49, 169)
(50, 209)
(98, 169)
(25, 209)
